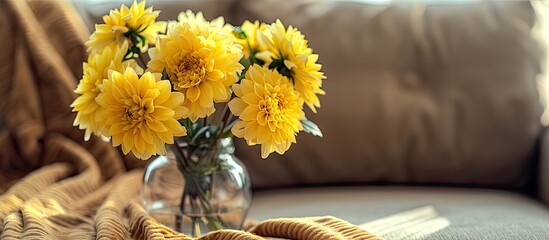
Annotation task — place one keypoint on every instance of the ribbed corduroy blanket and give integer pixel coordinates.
(53, 185)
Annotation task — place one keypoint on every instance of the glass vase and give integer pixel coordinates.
(197, 189)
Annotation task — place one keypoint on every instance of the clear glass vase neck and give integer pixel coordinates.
(201, 157)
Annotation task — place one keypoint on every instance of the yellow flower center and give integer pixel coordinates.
(137, 110)
(273, 106)
(190, 72)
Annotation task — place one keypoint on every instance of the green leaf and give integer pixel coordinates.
(200, 134)
(165, 76)
(187, 124)
(246, 62)
(239, 33)
(284, 71)
(257, 60)
(311, 128)
(227, 130)
(276, 63)
(143, 40)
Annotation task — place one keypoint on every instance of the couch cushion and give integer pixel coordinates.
(410, 213)
(439, 93)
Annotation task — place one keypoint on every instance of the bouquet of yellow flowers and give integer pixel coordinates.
(204, 81)
(264, 72)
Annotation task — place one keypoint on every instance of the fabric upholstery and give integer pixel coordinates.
(410, 213)
(543, 170)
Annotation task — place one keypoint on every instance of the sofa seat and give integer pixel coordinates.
(414, 212)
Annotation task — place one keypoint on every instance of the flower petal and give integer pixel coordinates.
(193, 93)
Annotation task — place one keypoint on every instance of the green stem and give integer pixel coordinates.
(195, 226)
(181, 159)
(225, 121)
(225, 109)
(197, 191)
(214, 222)
(181, 211)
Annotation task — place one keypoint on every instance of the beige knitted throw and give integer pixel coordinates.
(53, 185)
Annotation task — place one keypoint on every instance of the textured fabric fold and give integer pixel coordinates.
(31, 185)
(329, 228)
(144, 227)
(109, 222)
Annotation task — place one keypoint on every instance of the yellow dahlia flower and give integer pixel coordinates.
(141, 113)
(251, 41)
(289, 51)
(135, 23)
(95, 70)
(201, 61)
(269, 110)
